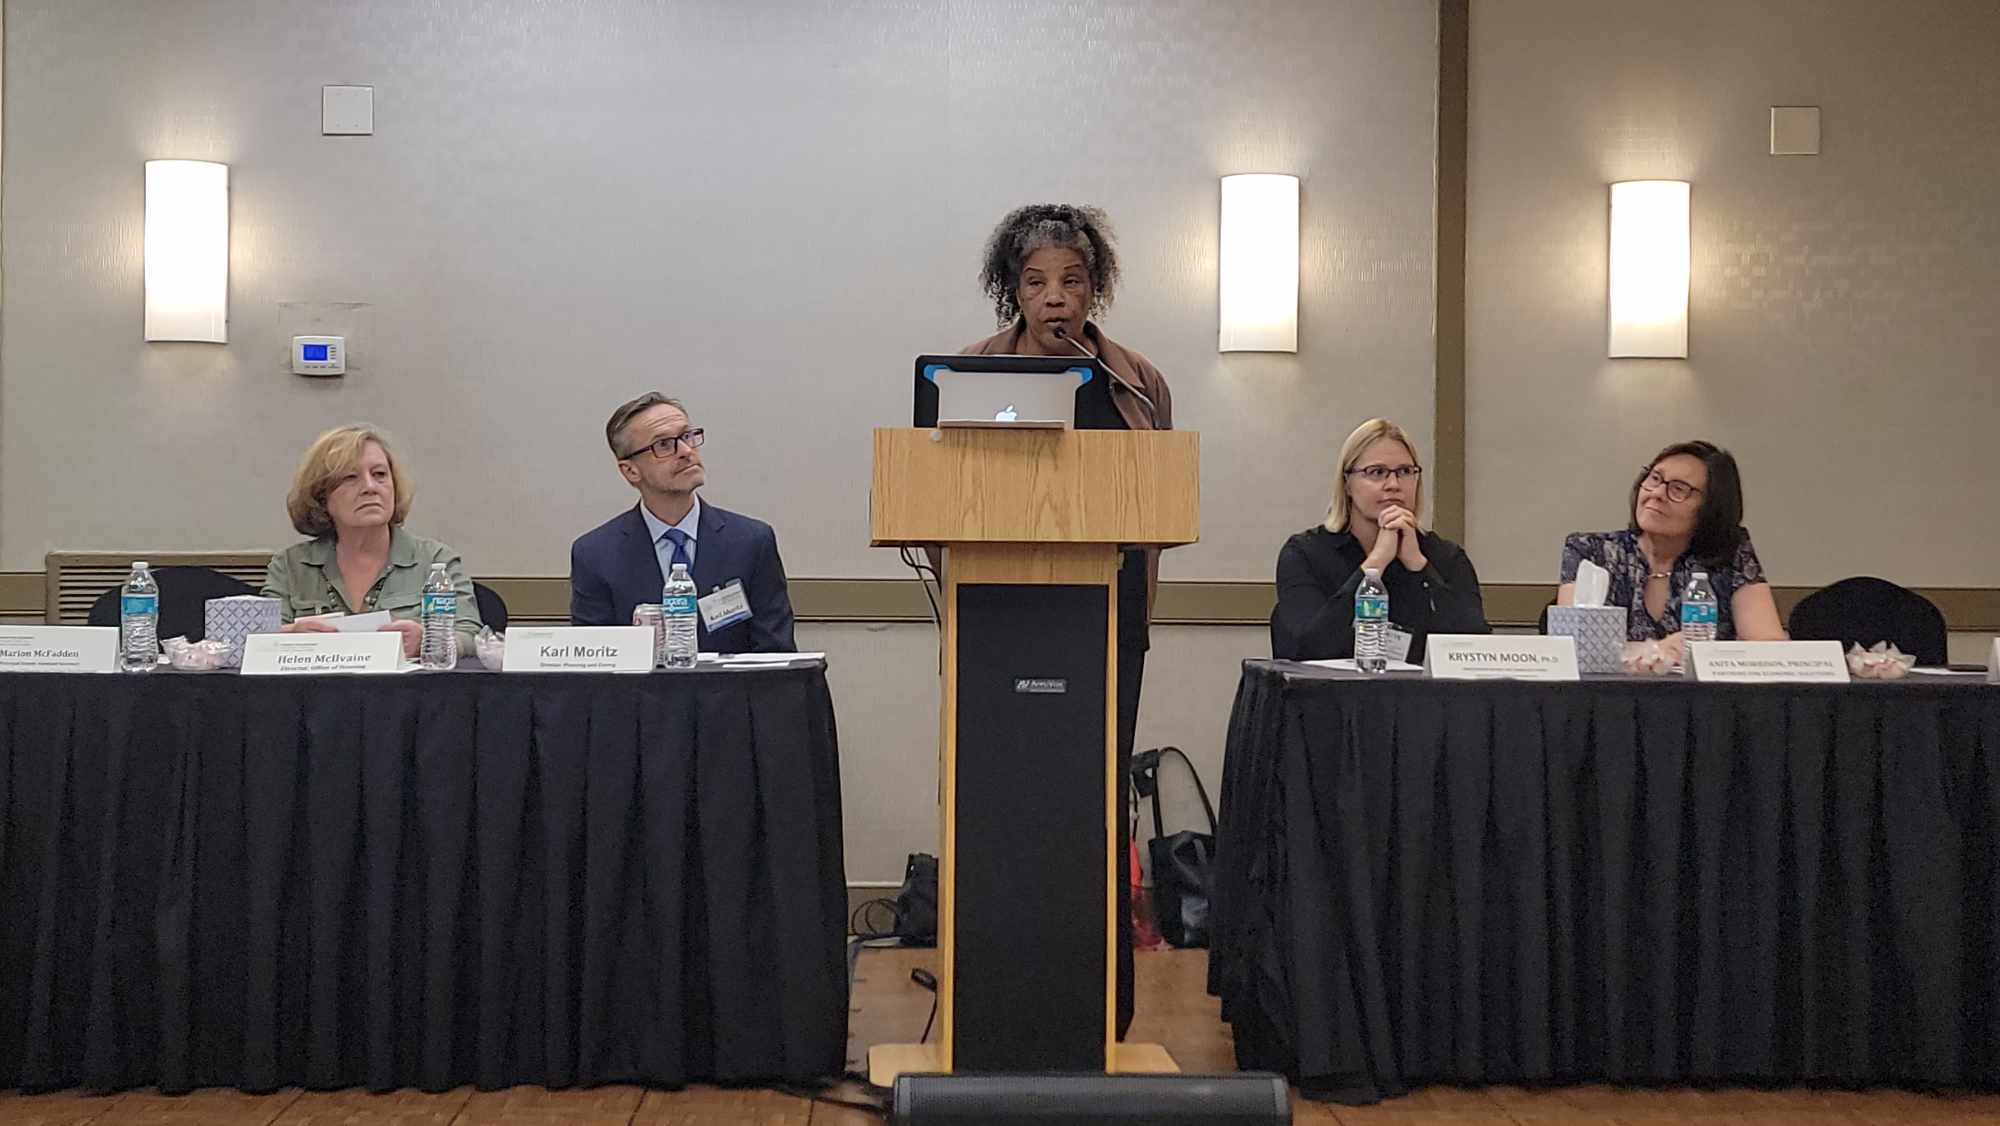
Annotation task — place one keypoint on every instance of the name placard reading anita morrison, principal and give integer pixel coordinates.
(317, 654)
(579, 649)
(1478, 656)
(1768, 662)
(58, 649)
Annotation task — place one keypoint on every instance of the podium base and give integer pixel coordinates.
(887, 1061)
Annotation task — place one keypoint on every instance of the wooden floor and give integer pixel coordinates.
(1174, 1009)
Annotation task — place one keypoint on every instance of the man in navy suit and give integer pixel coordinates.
(625, 560)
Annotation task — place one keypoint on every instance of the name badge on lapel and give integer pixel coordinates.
(1396, 641)
(724, 606)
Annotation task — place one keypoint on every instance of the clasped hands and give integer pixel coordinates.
(1396, 540)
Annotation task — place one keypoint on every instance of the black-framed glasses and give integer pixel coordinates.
(663, 447)
(1677, 490)
(1381, 473)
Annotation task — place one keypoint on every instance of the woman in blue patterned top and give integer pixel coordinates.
(1686, 516)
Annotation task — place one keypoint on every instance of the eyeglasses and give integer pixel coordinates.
(1677, 491)
(1381, 473)
(663, 447)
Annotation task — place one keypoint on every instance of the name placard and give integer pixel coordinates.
(1478, 656)
(58, 649)
(1768, 662)
(580, 649)
(316, 654)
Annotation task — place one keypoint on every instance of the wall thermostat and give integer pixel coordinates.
(319, 355)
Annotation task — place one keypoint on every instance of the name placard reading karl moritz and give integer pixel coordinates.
(580, 649)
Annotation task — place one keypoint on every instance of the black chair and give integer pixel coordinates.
(492, 607)
(1864, 611)
(184, 595)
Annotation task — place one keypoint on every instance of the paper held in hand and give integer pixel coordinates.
(58, 649)
(1478, 656)
(352, 623)
(1768, 662)
(316, 654)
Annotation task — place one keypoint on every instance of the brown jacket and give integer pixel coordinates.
(1128, 366)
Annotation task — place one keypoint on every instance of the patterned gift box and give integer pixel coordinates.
(1599, 632)
(237, 617)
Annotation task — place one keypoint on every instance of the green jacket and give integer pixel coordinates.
(305, 580)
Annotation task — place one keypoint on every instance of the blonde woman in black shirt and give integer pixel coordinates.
(1372, 523)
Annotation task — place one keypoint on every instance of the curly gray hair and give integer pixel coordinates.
(1025, 230)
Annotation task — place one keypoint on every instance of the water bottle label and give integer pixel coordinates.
(1698, 613)
(132, 604)
(677, 604)
(1370, 607)
(440, 604)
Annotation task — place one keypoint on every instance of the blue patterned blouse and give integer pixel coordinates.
(1619, 553)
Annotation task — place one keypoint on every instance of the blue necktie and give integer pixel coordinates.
(680, 539)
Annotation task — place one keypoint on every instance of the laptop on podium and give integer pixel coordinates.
(999, 392)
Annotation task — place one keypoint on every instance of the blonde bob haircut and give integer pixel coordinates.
(334, 455)
(1364, 436)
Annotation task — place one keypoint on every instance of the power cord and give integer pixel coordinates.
(923, 569)
(927, 980)
(858, 922)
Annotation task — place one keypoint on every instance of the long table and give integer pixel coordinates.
(1633, 880)
(421, 880)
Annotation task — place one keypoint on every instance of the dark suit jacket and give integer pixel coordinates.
(613, 568)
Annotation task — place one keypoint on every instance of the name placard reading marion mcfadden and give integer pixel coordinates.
(58, 649)
(580, 649)
(1475, 656)
(317, 654)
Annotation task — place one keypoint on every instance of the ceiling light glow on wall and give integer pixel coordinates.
(1259, 274)
(187, 250)
(1649, 269)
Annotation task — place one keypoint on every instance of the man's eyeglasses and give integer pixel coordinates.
(1677, 491)
(1381, 473)
(663, 447)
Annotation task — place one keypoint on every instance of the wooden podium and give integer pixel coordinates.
(1031, 522)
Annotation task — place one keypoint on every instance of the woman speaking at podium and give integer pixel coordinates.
(1049, 268)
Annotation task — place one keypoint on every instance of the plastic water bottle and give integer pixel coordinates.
(139, 621)
(440, 621)
(1698, 615)
(1371, 623)
(677, 606)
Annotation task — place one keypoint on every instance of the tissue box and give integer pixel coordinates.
(237, 617)
(1599, 632)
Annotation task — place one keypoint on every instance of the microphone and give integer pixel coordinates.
(1063, 335)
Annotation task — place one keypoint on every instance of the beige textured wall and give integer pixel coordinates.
(767, 208)
(1843, 315)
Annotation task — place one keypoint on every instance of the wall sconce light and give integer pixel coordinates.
(187, 250)
(1259, 275)
(1649, 269)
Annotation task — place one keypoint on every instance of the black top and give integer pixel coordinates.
(1318, 572)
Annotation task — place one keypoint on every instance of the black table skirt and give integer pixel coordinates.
(1636, 881)
(421, 880)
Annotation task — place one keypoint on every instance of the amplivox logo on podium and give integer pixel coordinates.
(1041, 685)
